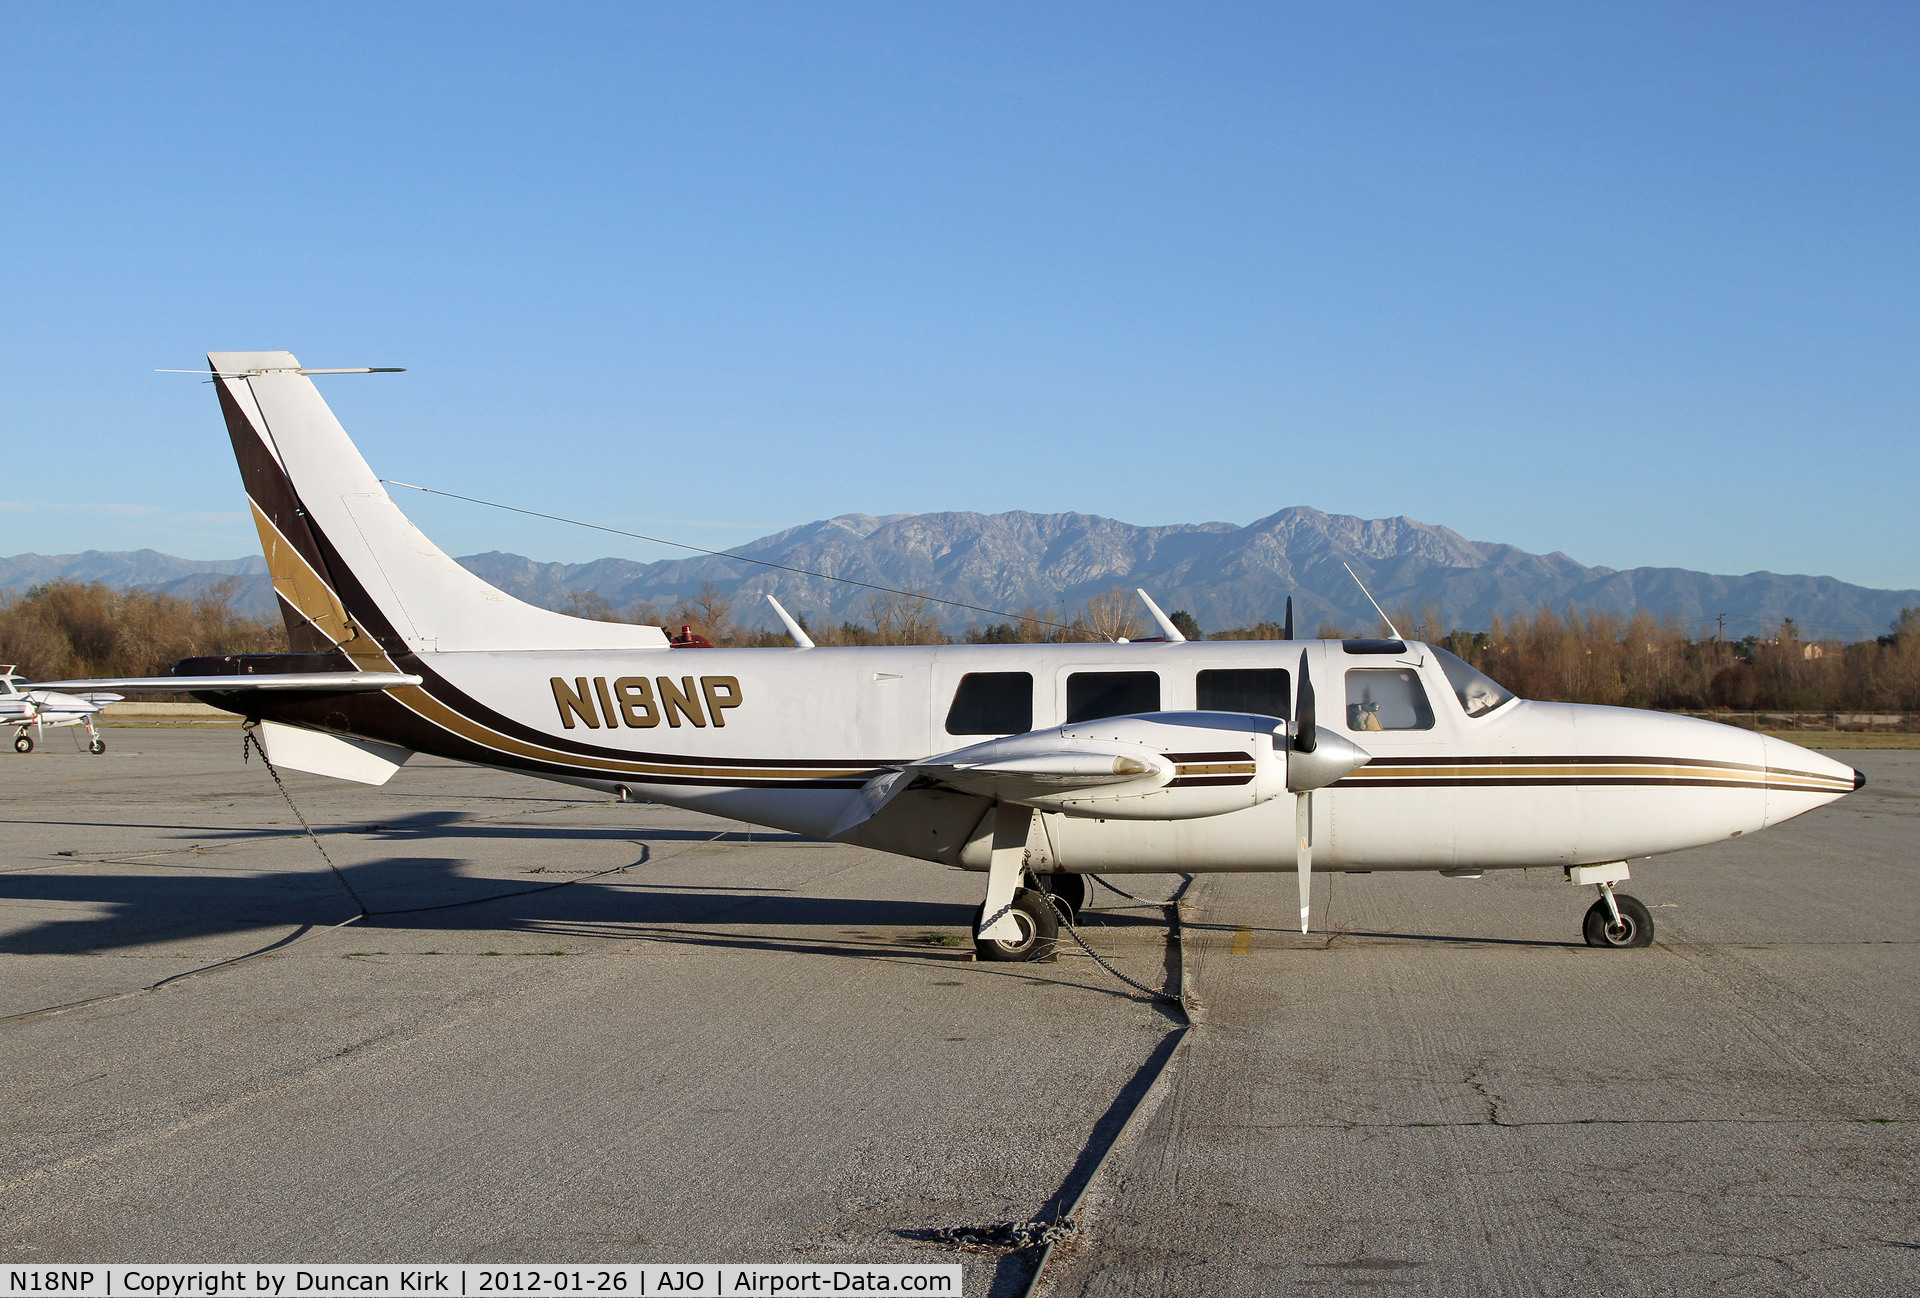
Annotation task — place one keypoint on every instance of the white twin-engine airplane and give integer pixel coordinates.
(1035, 764)
(32, 710)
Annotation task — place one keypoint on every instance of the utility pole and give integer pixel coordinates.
(1720, 636)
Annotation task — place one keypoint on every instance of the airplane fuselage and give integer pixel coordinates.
(786, 737)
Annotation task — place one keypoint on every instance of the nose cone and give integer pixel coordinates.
(1799, 779)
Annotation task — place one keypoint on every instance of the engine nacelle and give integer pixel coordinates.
(1153, 766)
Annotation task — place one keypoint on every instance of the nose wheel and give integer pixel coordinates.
(1617, 920)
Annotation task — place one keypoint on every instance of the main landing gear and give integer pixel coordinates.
(22, 741)
(1616, 920)
(1037, 925)
(1017, 922)
(1070, 890)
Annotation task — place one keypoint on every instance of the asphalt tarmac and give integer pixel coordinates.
(1451, 1095)
(714, 1044)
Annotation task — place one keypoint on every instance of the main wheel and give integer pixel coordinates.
(23, 742)
(1634, 929)
(1039, 930)
(98, 746)
(1070, 890)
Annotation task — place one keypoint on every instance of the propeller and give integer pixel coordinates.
(1315, 759)
(1306, 738)
(1287, 633)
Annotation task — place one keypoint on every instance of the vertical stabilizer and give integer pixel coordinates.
(351, 569)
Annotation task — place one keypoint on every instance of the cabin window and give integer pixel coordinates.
(992, 703)
(1263, 691)
(1478, 692)
(1387, 699)
(1092, 695)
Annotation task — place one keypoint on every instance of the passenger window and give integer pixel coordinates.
(992, 703)
(1263, 691)
(1091, 695)
(1386, 699)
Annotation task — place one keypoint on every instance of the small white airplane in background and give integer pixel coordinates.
(1035, 764)
(32, 708)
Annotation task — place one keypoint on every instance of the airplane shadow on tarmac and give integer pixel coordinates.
(207, 889)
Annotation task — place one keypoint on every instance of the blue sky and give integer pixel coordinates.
(1633, 282)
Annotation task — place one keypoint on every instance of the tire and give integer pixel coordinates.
(1635, 927)
(97, 747)
(1070, 890)
(23, 742)
(1039, 930)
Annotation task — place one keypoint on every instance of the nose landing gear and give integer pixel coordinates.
(1616, 920)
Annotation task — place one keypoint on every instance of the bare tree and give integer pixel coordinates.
(1111, 616)
(590, 605)
(903, 619)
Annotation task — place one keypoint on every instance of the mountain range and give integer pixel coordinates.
(1226, 575)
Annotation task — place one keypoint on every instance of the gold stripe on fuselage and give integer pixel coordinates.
(1588, 771)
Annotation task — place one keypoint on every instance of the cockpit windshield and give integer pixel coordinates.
(1478, 692)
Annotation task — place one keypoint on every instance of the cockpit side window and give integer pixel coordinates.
(1478, 692)
(1387, 698)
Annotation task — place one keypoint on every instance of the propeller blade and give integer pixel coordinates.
(1304, 737)
(1303, 852)
(1288, 633)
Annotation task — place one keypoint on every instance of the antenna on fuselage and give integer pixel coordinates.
(1167, 628)
(799, 633)
(1371, 600)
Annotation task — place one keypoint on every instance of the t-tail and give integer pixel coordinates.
(352, 573)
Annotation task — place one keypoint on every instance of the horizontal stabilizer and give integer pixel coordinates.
(315, 682)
